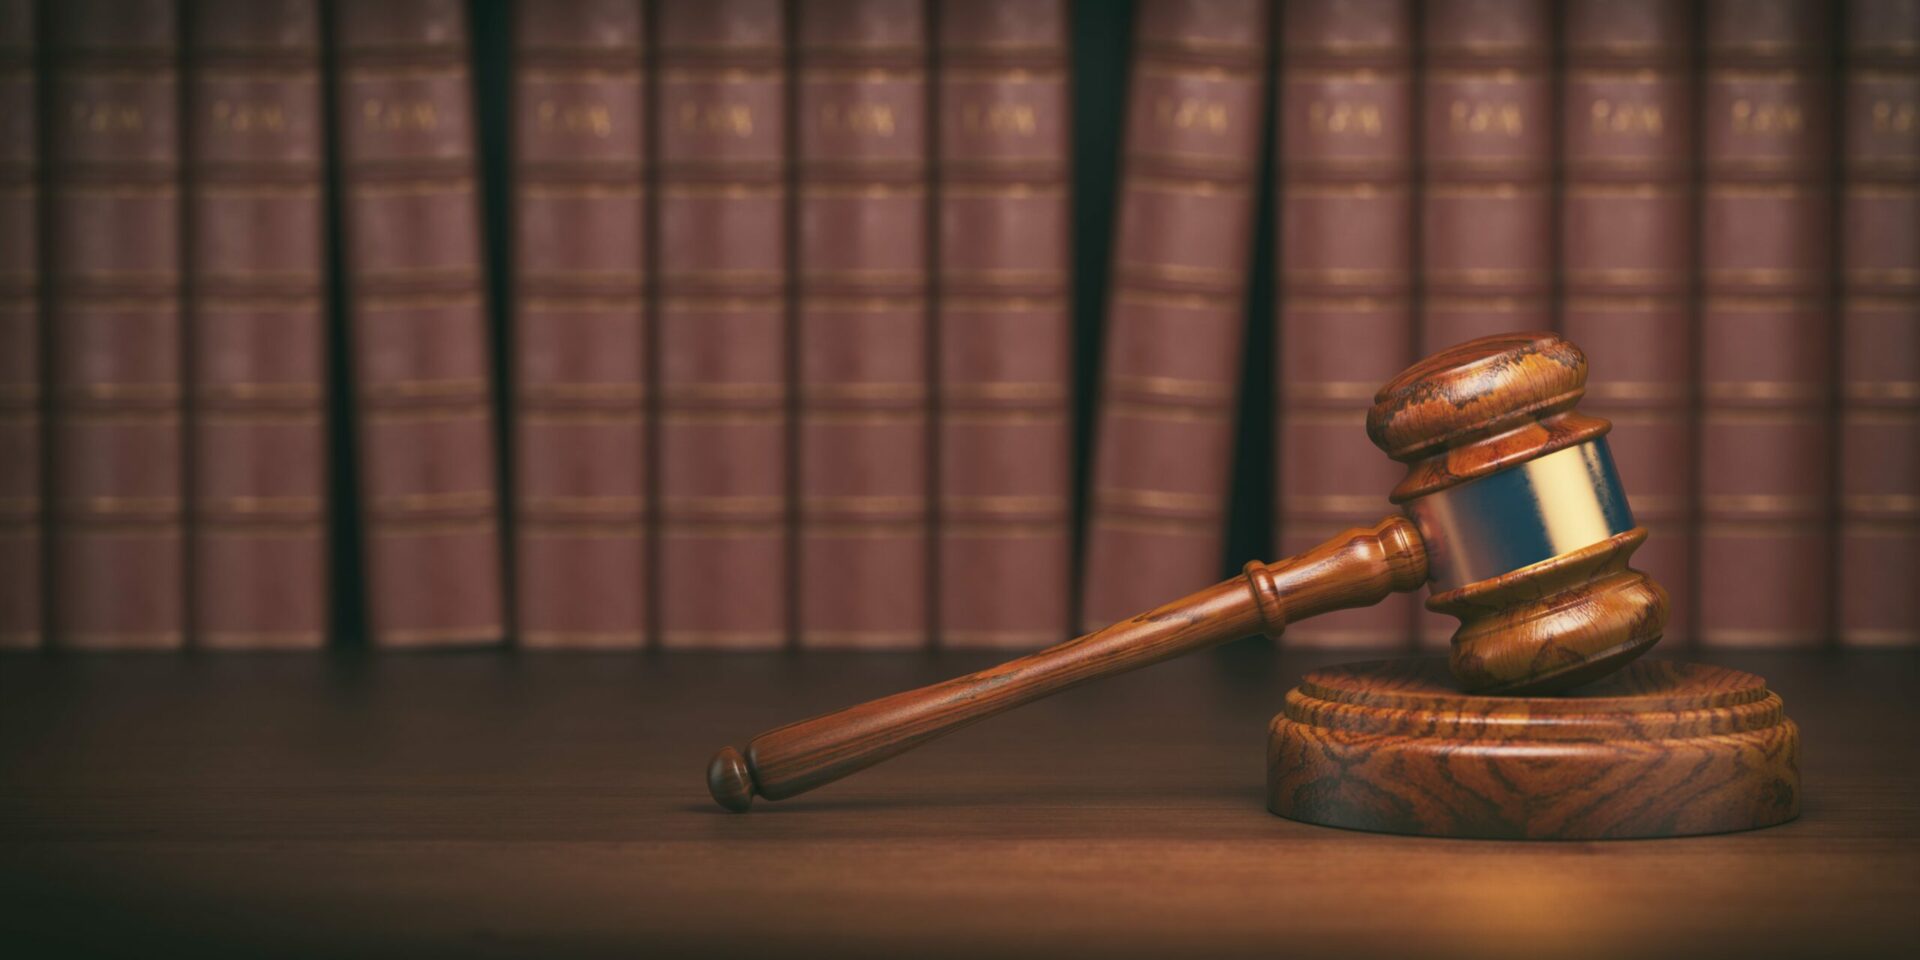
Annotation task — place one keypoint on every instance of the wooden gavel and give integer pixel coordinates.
(1513, 510)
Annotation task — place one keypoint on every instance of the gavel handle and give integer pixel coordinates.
(1354, 569)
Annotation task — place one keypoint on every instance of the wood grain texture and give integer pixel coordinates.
(1351, 570)
(1659, 749)
(1488, 405)
(1556, 624)
(1466, 412)
(1480, 407)
(491, 805)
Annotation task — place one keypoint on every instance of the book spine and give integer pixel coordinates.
(1486, 205)
(1169, 382)
(256, 279)
(1626, 257)
(579, 510)
(1879, 550)
(22, 438)
(1004, 323)
(417, 323)
(1486, 235)
(1346, 130)
(721, 251)
(1765, 341)
(863, 323)
(114, 284)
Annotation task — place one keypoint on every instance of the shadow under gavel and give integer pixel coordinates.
(1513, 510)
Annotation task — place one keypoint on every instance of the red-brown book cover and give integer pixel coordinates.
(1486, 217)
(1345, 129)
(1627, 254)
(417, 323)
(579, 324)
(1878, 600)
(863, 323)
(1169, 379)
(113, 281)
(22, 509)
(1766, 358)
(1486, 202)
(721, 250)
(1004, 322)
(256, 277)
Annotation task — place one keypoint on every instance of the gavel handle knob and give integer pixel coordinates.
(1354, 569)
(729, 780)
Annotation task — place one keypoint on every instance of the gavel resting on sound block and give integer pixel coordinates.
(1514, 513)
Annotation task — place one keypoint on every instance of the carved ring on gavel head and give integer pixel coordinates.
(1513, 507)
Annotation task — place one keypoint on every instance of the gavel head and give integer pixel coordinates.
(1527, 530)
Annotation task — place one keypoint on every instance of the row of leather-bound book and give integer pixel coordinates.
(748, 324)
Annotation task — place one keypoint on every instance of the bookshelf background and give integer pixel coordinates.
(1102, 39)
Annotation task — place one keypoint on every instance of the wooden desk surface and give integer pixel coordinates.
(502, 805)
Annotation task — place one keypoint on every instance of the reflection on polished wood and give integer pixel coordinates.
(495, 805)
(1657, 749)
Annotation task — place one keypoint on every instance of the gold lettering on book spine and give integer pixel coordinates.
(592, 119)
(1345, 117)
(1505, 118)
(734, 119)
(1613, 117)
(1748, 116)
(1892, 117)
(1015, 118)
(875, 119)
(247, 117)
(378, 114)
(1191, 113)
(108, 117)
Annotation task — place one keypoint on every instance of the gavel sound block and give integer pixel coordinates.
(1657, 749)
(1514, 511)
